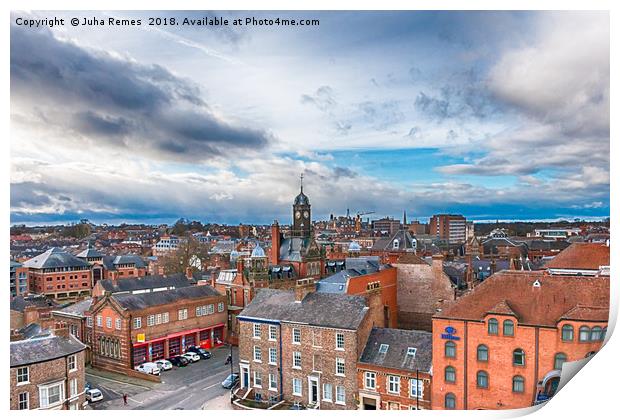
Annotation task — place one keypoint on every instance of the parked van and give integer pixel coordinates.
(148, 367)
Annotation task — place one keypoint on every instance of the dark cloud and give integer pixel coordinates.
(154, 111)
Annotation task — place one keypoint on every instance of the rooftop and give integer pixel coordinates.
(399, 353)
(42, 349)
(55, 258)
(146, 300)
(581, 256)
(147, 282)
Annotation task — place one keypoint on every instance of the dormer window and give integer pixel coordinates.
(384, 348)
(411, 351)
(396, 243)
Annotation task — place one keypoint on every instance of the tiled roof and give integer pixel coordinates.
(587, 313)
(37, 350)
(147, 300)
(584, 256)
(503, 308)
(398, 342)
(410, 258)
(55, 258)
(543, 305)
(321, 309)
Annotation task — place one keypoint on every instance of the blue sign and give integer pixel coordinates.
(449, 335)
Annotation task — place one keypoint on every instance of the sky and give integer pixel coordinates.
(494, 115)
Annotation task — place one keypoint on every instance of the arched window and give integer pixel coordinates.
(584, 334)
(518, 357)
(558, 360)
(450, 349)
(482, 379)
(450, 402)
(493, 326)
(483, 353)
(567, 332)
(450, 374)
(518, 384)
(596, 333)
(509, 328)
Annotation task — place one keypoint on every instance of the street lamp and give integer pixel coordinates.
(232, 386)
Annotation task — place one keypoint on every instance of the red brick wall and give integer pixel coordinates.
(388, 281)
(403, 398)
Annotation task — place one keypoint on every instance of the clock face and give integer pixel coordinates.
(306, 214)
(297, 215)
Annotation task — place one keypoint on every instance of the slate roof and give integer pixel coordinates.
(90, 253)
(293, 249)
(354, 267)
(147, 282)
(37, 350)
(55, 258)
(146, 300)
(584, 256)
(405, 242)
(411, 258)
(258, 252)
(77, 308)
(129, 259)
(19, 303)
(587, 313)
(319, 309)
(396, 356)
(543, 306)
(33, 330)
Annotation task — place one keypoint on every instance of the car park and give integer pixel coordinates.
(231, 380)
(204, 354)
(178, 361)
(163, 364)
(191, 356)
(149, 367)
(93, 395)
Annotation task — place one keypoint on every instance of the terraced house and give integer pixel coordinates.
(302, 347)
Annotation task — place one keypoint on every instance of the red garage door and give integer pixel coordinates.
(174, 346)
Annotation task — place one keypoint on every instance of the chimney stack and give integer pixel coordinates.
(274, 254)
(189, 273)
(303, 287)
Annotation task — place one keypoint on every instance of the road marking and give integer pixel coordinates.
(210, 386)
(136, 401)
(182, 401)
(118, 382)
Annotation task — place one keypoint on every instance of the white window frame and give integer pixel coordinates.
(44, 395)
(339, 362)
(258, 352)
(72, 361)
(117, 323)
(165, 317)
(220, 307)
(89, 321)
(258, 379)
(158, 319)
(256, 331)
(273, 382)
(27, 374)
(297, 381)
(73, 388)
(328, 394)
(27, 401)
(370, 380)
(338, 336)
(182, 315)
(296, 357)
(273, 356)
(108, 322)
(137, 322)
(393, 384)
(296, 334)
(150, 320)
(99, 320)
(416, 385)
(273, 333)
(344, 395)
(210, 309)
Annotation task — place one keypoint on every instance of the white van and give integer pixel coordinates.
(148, 367)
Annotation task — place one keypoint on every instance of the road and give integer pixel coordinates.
(187, 388)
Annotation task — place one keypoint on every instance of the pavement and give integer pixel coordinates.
(193, 387)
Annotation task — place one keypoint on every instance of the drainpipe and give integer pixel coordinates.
(280, 367)
(417, 384)
(465, 368)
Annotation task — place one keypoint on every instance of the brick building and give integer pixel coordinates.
(128, 329)
(502, 345)
(392, 247)
(112, 267)
(356, 276)
(146, 284)
(586, 259)
(422, 290)
(302, 346)
(47, 372)
(59, 275)
(19, 279)
(450, 227)
(25, 310)
(75, 319)
(394, 370)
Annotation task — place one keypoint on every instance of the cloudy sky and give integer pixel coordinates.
(492, 115)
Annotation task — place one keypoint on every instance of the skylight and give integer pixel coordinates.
(384, 348)
(411, 351)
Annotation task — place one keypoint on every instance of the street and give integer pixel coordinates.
(192, 387)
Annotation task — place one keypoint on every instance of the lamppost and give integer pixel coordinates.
(232, 386)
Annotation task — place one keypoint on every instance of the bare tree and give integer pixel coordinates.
(190, 253)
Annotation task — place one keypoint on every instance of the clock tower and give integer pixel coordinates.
(302, 225)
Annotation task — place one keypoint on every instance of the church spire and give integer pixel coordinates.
(301, 182)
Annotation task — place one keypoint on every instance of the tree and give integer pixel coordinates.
(190, 253)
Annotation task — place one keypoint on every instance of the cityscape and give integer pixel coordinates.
(409, 238)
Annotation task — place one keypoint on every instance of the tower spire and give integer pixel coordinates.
(301, 181)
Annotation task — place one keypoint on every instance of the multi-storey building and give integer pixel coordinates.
(302, 347)
(112, 267)
(394, 370)
(503, 345)
(59, 275)
(128, 329)
(19, 279)
(74, 318)
(450, 227)
(47, 372)
(387, 225)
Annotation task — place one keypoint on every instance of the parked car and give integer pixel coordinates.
(231, 380)
(149, 367)
(93, 395)
(178, 361)
(191, 356)
(87, 386)
(163, 364)
(204, 354)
